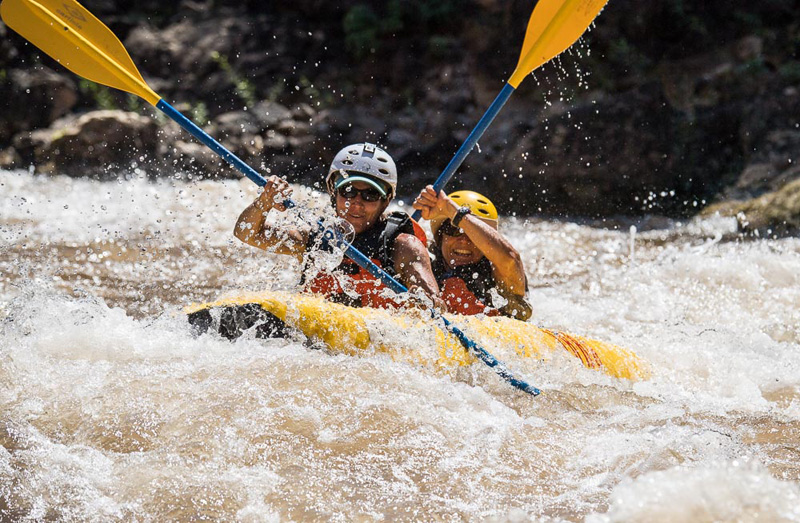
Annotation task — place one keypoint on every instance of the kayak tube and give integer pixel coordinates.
(410, 335)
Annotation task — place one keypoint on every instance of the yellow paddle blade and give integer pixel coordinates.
(71, 35)
(554, 26)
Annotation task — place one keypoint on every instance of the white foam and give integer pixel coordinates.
(739, 490)
(113, 410)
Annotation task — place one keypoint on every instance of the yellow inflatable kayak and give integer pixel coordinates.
(409, 336)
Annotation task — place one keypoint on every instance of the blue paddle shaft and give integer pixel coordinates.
(251, 173)
(487, 358)
(214, 145)
(350, 251)
(471, 141)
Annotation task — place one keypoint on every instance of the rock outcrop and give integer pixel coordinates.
(661, 108)
(100, 144)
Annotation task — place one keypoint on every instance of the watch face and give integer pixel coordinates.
(460, 213)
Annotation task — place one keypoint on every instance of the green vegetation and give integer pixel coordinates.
(746, 19)
(687, 20)
(435, 11)
(159, 116)
(99, 94)
(441, 46)
(622, 53)
(791, 71)
(245, 90)
(307, 87)
(753, 67)
(408, 96)
(365, 27)
(362, 29)
(134, 104)
(276, 90)
(199, 114)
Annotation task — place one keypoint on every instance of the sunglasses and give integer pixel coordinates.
(451, 230)
(370, 194)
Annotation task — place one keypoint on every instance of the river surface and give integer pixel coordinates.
(111, 410)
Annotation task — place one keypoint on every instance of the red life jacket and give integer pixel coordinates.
(351, 284)
(461, 300)
(465, 288)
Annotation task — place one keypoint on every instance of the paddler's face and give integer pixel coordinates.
(360, 213)
(459, 250)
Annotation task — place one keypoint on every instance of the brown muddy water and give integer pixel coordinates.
(110, 410)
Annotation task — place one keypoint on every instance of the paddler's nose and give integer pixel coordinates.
(357, 200)
(463, 239)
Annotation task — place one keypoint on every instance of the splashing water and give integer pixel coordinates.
(112, 410)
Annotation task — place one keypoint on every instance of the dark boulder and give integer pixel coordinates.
(52, 94)
(776, 213)
(100, 144)
(270, 114)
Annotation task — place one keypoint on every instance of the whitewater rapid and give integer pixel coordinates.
(111, 410)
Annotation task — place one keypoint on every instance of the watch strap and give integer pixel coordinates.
(460, 213)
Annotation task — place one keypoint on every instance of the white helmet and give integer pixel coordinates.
(366, 159)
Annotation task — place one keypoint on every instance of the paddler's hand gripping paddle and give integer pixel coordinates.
(74, 37)
(553, 27)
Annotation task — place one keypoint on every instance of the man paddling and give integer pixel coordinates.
(362, 181)
(477, 269)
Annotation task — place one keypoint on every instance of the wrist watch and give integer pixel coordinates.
(460, 213)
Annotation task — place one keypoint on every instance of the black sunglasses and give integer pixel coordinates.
(451, 230)
(370, 194)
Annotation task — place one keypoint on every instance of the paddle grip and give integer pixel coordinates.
(471, 141)
(351, 252)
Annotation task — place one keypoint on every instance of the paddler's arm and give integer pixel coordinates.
(506, 261)
(507, 267)
(509, 271)
(413, 266)
(253, 229)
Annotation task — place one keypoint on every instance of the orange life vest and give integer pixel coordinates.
(461, 300)
(465, 288)
(351, 284)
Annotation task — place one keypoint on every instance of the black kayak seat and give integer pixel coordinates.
(236, 320)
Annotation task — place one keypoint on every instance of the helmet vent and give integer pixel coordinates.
(362, 159)
(483, 201)
(483, 211)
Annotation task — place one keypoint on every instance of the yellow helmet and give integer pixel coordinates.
(481, 207)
